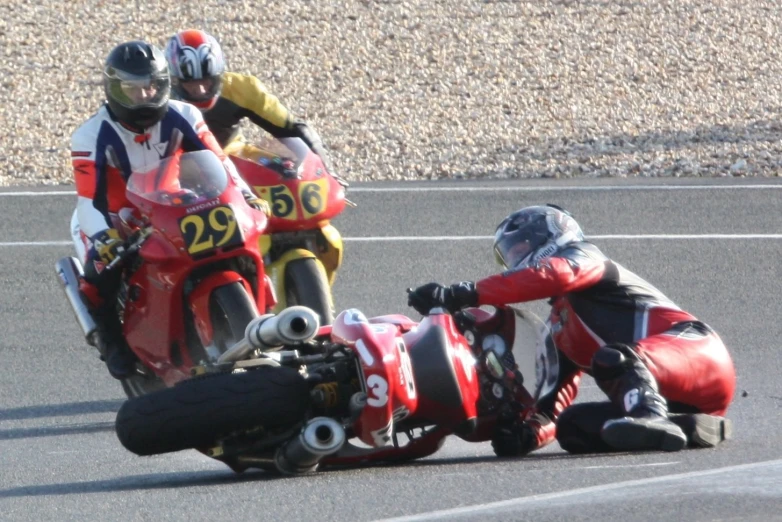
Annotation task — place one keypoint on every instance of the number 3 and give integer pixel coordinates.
(379, 388)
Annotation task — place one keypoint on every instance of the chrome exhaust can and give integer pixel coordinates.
(322, 436)
(293, 325)
(69, 272)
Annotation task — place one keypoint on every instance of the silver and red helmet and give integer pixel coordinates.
(534, 233)
(196, 64)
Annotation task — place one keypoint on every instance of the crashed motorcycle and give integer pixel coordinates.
(192, 276)
(292, 395)
(302, 250)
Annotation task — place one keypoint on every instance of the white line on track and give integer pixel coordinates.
(564, 188)
(515, 503)
(472, 238)
(597, 236)
(34, 243)
(468, 188)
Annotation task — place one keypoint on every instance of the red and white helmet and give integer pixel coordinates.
(196, 65)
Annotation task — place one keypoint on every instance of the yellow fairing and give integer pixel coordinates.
(331, 258)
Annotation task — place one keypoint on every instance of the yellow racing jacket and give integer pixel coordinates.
(244, 96)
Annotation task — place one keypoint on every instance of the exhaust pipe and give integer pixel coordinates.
(69, 272)
(293, 325)
(322, 436)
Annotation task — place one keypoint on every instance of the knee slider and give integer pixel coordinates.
(612, 360)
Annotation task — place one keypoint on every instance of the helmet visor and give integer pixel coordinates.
(513, 248)
(139, 92)
(200, 90)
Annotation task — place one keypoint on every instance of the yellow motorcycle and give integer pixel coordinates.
(302, 250)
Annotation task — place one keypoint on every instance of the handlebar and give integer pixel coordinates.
(132, 246)
(464, 319)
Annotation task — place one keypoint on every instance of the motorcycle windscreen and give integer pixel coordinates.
(280, 154)
(535, 354)
(186, 178)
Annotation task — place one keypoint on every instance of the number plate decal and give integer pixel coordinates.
(314, 196)
(209, 229)
(281, 200)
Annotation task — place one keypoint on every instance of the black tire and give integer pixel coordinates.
(231, 309)
(197, 412)
(306, 285)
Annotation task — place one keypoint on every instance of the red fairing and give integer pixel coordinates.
(440, 406)
(387, 374)
(155, 308)
(404, 323)
(303, 202)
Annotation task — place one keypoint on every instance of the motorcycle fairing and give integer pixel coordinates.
(330, 250)
(444, 369)
(304, 198)
(385, 374)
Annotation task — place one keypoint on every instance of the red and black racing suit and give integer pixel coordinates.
(596, 301)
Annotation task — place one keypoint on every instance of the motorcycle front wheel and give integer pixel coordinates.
(306, 285)
(232, 309)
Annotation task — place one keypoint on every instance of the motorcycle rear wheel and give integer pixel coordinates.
(306, 285)
(198, 412)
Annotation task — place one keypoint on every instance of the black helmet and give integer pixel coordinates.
(136, 83)
(533, 233)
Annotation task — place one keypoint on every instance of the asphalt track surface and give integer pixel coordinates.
(713, 248)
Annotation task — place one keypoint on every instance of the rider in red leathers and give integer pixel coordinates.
(668, 376)
(136, 127)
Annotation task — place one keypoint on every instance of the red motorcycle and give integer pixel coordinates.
(192, 274)
(291, 396)
(302, 250)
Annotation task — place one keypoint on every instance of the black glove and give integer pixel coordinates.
(516, 439)
(108, 245)
(452, 298)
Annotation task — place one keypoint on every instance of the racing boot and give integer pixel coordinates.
(703, 430)
(99, 292)
(629, 384)
(120, 360)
